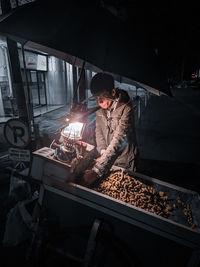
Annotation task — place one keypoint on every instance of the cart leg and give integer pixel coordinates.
(91, 243)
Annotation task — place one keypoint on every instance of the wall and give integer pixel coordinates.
(56, 82)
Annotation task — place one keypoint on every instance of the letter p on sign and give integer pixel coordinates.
(16, 133)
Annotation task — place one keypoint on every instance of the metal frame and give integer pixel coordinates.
(52, 183)
(128, 213)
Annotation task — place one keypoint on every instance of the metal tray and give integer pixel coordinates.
(174, 227)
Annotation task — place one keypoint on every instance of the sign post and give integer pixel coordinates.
(16, 133)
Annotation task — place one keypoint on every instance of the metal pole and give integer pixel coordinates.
(45, 89)
(8, 71)
(139, 108)
(145, 99)
(74, 73)
(17, 79)
(76, 84)
(65, 74)
(30, 104)
(38, 88)
(82, 70)
(82, 85)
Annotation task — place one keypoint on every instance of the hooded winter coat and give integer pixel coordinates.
(116, 135)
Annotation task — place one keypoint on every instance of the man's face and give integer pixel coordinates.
(103, 102)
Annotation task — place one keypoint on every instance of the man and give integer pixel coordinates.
(115, 130)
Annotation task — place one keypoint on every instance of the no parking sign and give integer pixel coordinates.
(16, 133)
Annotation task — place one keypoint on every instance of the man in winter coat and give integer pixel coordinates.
(115, 129)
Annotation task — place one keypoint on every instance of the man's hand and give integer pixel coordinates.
(102, 151)
(96, 160)
(89, 177)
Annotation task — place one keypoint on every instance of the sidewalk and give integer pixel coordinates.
(37, 112)
(50, 122)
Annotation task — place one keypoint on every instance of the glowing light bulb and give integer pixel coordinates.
(74, 130)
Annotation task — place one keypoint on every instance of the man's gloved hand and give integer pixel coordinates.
(89, 177)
